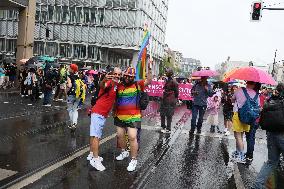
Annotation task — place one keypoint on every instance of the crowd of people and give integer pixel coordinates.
(118, 92)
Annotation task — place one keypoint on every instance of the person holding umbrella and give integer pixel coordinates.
(200, 91)
(241, 123)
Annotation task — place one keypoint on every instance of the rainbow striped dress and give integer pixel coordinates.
(127, 109)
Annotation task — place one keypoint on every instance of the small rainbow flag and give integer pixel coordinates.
(142, 56)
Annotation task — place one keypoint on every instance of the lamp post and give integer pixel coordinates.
(274, 63)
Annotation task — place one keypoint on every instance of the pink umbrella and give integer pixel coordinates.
(251, 74)
(204, 73)
(94, 72)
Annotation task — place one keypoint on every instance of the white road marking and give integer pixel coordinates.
(4, 173)
(31, 179)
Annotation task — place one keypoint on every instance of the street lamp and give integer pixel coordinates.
(274, 63)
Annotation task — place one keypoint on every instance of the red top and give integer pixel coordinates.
(104, 103)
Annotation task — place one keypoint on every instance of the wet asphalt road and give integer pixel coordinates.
(39, 136)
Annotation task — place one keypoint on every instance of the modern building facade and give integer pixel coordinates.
(189, 65)
(97, 32)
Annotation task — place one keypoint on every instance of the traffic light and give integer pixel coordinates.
(256, 11)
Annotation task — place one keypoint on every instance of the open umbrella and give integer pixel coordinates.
(204, 73)
(251, 74)
(93, 72)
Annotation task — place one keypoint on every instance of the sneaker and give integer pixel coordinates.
(91, 156)
(235, 155)
(163, 130)
(72, 126)
(132, 165)
(47, 105)
(227, 133)
(97, 164)
(122, 156)
(249, 160)
(168, 131)
(241, 158)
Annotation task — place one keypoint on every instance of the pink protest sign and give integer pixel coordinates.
(185, 91)
(156, 89)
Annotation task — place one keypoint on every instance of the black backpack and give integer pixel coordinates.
(272, 116)
(143, 98)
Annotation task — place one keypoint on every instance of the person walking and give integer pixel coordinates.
(168, 101)
(48, 83)
(275, 139)
(213, 107)
(100, 111)
(200, 91)
(127, 114)
(61, 85)
(76, 94)
(240, 97)
(227, 110)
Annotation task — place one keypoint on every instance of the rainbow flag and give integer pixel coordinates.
(142, 56)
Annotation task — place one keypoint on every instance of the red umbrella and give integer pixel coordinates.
(251, 74)
(204, 73)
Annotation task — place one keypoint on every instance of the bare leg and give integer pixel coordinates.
(95, 147)
(132, 135)
(239, 141)
(120, 137)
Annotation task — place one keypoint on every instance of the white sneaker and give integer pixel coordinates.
(227, 133)
(132, 165)
(163, 130)
(97, 164)
(122, 156)
(91, 156)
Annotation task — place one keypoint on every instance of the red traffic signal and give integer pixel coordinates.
(256, 11)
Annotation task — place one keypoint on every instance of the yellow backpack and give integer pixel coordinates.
(80, 90)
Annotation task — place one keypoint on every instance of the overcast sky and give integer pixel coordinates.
(213, 30)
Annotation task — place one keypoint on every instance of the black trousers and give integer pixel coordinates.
(169, 122)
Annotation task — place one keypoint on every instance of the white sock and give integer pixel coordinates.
(92, 153)
(226, 129)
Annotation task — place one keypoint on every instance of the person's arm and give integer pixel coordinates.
(69, 83)
(149, 78)
(176, 89)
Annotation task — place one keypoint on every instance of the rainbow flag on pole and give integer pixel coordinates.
(142, 56)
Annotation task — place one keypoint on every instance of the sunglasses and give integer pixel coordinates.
(128, 76)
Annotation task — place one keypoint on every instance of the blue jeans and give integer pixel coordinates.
(275, 145)
(197, 110)
(250, 137)
(47, 97)
(72, 108)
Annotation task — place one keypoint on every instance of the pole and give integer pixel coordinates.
(274, 63)
(272, 8)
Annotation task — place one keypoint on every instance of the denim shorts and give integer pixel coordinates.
(97, 125)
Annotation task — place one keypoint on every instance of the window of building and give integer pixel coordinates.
(65, 14)
(2, 14)
(38, 48)
(65, 50)
(79, 51)
(51, 49)
(11, 45)
(86, 15)
(50, 13)
(2, 44)
(72, 14)
(92, 52)
(93, 15)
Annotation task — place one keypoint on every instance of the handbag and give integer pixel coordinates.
(272, 116)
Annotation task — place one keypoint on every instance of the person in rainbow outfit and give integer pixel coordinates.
(127, 114)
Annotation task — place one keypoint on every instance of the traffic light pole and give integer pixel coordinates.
(272, 8)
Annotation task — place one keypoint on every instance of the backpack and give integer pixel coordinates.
(143, 98)
(250, 111)
(272, 116)
(80, 90)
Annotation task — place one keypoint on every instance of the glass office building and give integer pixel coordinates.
(98, 32)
